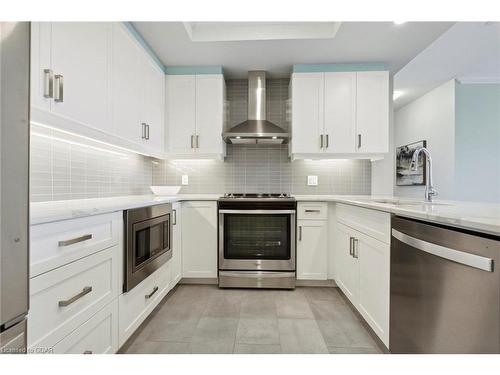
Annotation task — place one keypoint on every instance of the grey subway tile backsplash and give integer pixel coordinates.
(263, 169)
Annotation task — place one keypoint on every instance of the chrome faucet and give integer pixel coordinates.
(430, 192)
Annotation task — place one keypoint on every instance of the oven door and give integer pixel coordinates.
(257, 240)
(148, 248)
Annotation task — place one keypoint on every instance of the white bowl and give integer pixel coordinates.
(165, 190)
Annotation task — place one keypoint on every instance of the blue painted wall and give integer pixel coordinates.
(477, 142)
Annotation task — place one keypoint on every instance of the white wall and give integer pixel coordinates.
(383, 174)
(432, 118)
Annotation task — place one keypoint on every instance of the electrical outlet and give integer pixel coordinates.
(312, 180)
(185, 179)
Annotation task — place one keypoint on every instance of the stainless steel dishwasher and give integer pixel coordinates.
(445, 290)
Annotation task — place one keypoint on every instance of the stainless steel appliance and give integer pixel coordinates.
(14, 189)
(257, 241)
(445, 290)
(148, 241)
(256, 129)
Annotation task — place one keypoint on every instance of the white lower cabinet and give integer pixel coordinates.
(176, 245)
(363, 274)
(312, 250)
(199, 239)
(137, 304)
(98, 335)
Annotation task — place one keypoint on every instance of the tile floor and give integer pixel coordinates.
(206, 319)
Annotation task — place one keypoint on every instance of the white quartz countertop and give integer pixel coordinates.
(481, 217)
(46, 212)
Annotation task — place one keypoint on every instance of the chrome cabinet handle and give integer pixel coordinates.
(355, 252)
(327, 143)
(155, 289)
(143, 135)
(300, 232)
(147, 132)
(59, 89)
(68, 302)
(468, 259)
(72, 241)
(359, 140)
(87, 352)
(197, 141)
(350, 245)
(192, 137)
(313, 211)
(321, 141)
(48, 87)
(174, 221)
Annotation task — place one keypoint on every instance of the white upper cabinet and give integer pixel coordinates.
(307, 112)
(137, 93)
(209, 113)
(70, 71)
(95, 79)
(372, 114)
(340, 114)
(195, 115)
(181, 116)
(80, 56)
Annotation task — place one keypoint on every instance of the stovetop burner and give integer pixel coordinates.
(257, 195)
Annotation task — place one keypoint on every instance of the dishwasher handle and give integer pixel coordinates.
(471, 260)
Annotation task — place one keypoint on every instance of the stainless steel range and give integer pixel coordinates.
(257, 241)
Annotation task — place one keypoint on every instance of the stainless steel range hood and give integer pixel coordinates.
(256, 129)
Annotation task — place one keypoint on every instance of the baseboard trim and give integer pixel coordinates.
(199, 280)
(319, 283)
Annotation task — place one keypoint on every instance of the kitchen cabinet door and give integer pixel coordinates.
(307, 112)
(374, 275)
(209, 113)
(181, 113)
(80, 55)
(340, 112)
(312, 250)
(347, 271)
(40, 61)
(176, 260)
(152, 102)
(125, 86)
(372, 112)
(199, 239)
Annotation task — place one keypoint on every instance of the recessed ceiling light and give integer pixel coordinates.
(238, 137)
(396, 94)
(399, 22)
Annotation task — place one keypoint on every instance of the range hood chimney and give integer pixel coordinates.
(256, 129)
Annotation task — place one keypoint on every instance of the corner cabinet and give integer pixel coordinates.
(94, 79)
(195, 115)
(340, 114)
(362, 256)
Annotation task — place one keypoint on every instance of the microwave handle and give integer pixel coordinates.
(174, 217)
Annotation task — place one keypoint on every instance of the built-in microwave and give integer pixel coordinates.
(148, 242)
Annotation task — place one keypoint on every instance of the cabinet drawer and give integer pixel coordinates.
(312, 210)
(59, 243)
(98, 335)
(63, 299)
(376, 224)
(137, 304)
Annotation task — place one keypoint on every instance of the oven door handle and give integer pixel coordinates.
(257, 212)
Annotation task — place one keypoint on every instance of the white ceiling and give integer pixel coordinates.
(468, 52)
(355, 42)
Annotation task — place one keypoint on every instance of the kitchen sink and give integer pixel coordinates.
(409, 202)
